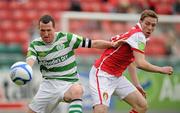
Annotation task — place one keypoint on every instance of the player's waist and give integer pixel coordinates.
(69, 77)
(111, 71)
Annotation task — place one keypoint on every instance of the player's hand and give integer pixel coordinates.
(141, 90)
(167, 70)
(117, 43)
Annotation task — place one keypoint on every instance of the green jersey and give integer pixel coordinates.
(57, 60)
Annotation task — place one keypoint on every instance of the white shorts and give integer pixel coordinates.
(103, 85)
(50, 92)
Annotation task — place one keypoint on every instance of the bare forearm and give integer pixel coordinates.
(30, 62)
(101, 44)
(133, 74)
(144, 65)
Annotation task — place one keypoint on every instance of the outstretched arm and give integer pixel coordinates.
(145, 65)
(102, 44)
(30, 61)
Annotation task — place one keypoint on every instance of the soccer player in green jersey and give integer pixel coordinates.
(54, 52)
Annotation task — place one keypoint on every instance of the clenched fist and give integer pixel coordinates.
(167, 70)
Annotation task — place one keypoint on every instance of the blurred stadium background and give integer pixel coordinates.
(97, 19)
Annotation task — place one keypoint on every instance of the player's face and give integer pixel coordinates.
(148, 25)
(47, 32)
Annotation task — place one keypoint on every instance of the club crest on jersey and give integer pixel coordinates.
(141, 45)
(60, 47)
(105, 96)
(42, 54)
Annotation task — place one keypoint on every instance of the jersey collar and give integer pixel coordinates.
(139, 25)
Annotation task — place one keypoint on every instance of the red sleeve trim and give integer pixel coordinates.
(138, 50)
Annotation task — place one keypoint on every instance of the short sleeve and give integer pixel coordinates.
(31, 52)
(75, 40)
(137, 41)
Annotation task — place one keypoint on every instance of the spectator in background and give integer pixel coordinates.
(176, 7)
(75, 5)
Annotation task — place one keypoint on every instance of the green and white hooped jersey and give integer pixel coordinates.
(57, 60)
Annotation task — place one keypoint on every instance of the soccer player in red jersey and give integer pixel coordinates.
(106, 74)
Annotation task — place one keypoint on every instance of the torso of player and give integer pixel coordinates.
(115, 60)
(57, 59)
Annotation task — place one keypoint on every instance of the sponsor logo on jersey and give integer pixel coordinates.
(141, 46)
(42, 54)
(60, 47)
(54, 61)
(105, 96)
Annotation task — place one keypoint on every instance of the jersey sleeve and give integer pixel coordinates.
(77, 41)
(74, 40)
(137, 41)
(31, 52)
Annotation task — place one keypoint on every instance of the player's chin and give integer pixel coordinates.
(47, 41)
(148, 34)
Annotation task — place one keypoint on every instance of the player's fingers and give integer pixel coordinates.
(170, 73)
(142, 91)
(144, 94)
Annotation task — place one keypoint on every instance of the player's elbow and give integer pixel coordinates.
(140, 64)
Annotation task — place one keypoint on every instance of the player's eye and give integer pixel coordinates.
(147, 23)
(49, 30)
(42, 30)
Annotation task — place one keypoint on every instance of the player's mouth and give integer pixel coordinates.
(148, 33)
(46, 39)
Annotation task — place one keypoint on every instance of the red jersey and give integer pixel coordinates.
(115, 60)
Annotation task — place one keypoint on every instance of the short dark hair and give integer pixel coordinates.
(46, 19)
(148, 13)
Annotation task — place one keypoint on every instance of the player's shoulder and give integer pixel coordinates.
(37, 41)
(136, 31)
(60, 33)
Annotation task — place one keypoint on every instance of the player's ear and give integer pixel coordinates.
(140, 21)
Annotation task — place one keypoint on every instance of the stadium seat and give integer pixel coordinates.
(56, 15)
(65, 5)
(5, 14)
(20, 26)
(10, 37)
(29, 5)
(6, 25)
(17, 15)
(30, 15)
(54, 6)
(3, 5)
(14, 5)
(23, 37)
(106, 7)
(156, 47)
(41, 5)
